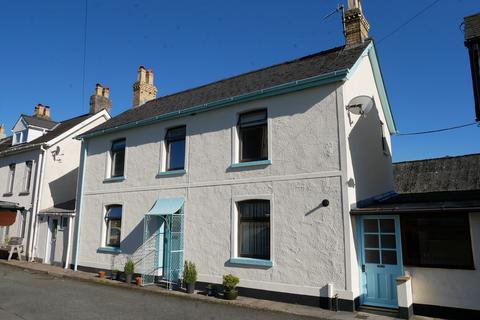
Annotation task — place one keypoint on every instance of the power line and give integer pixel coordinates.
(437, 130)
(85, 24)
(408, 21)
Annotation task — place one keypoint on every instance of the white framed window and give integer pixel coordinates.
(117, 158)
(11, 178)
(27, 176)
(113, 226)
(175, 143)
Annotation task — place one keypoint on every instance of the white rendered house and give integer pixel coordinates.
(39, 172)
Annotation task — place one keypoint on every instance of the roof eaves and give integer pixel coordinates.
(338, 75)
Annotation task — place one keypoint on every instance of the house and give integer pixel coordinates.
(438, 206)
(472, 42)
(253, 175)
(39, 169)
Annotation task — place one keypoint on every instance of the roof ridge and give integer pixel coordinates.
(438, 158)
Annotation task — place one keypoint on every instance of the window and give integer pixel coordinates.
(11, 178)
(27, 176)
(254, 229)
(175, 147)
(18, 137)
(63, 223)
(117, 155)
(385, 148)
(437, 240)
(113, 220)
(252, 133)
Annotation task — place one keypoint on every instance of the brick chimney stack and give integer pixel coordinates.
(356, 26)
(100, 100)
(42, 111)
(2, 131)
(144, 90)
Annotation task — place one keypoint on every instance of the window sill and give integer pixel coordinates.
(24, 193)
(109, 250)
(114, 179)
(7, 194)
(252, 262)
(171, 173)
(251, 164)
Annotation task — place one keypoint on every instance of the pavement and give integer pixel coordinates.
(39, 291)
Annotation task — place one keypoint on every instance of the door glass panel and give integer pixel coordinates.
(388, 241)
(370, 225)
(389, 257)
(372, 256)
(387, 225)
(371, 241)
(54, 229)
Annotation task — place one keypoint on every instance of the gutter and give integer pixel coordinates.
(21, 148)
(78, 224)
(339, 75)
(411, 210)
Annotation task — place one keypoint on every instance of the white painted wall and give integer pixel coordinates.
(450, 287)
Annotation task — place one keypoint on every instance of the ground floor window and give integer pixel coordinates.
(254, 229)
(113, 220)
(437, 240)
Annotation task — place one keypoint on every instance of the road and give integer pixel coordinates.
(36, 296)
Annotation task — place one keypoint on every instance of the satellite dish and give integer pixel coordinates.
(361, 105)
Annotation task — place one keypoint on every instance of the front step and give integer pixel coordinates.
(379, 311)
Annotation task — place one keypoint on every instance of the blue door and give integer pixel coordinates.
(381, 260)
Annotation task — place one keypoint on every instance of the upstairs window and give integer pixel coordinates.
(27, 179)
(175, 147)
(252, 133)
(437, 240)
(254, 229)
(11, 178)
(117, 155)
(113, 221)
(21, 136)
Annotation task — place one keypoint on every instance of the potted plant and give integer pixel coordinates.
(190, 276)
(230, 282)
(101, 274)
(114, 274)
(138, 281)
(129, 269)
(211, 290)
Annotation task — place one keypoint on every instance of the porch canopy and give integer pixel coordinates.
(434, 202)
(60, 209)
(8, 213)
(164, 207)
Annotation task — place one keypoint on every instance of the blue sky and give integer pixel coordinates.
(189, 43)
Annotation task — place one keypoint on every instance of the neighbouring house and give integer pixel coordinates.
(472, 42)
(253, 175)
(438, 207)
(39, 169)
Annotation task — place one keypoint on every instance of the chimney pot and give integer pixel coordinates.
(144, 89)
(100, 99)
(42, 111)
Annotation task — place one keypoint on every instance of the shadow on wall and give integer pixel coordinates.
(64, 188)
(372, 167)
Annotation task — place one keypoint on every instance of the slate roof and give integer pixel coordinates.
(321, 63)
(10, 205)
(60, 208)
(39, 122)
(61, 127)
(441, 174)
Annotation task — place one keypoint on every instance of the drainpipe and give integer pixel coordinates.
(79, 205)
(36, 203)
(69, 240)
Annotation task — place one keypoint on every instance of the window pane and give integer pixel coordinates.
(118, 163)
(114, 233)
(176, 154)
(252, 118)
(371, 241)
(387, 225)
(372, 256)
(176, 134)
(437, 240)
(253, 143)
(114, 212)
(370, 225)
(389, 257)
(254, 229)
(388, 241)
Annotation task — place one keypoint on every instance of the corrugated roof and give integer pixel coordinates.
(321, 63)
(440, 174)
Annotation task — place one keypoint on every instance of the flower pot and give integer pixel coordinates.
(230, 294)
(138, 281)
(128, 278)
(101, 274)
(190, 287)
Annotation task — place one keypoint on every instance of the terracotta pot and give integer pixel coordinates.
(101, 274)
(138, 281)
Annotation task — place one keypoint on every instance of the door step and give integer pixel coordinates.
(379, 311)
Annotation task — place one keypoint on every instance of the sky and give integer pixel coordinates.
(189, 43)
